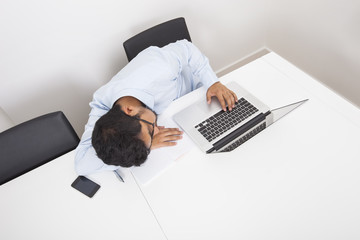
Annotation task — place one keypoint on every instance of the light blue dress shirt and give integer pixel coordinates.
(156, 77)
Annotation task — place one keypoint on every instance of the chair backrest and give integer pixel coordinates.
(159, 35)
(30, 144)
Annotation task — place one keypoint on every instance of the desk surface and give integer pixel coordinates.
(42, 205)
(297, 179)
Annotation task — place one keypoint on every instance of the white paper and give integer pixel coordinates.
(159, 160)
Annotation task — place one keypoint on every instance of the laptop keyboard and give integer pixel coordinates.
(222, 121)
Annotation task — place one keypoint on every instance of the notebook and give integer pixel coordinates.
(215, 130)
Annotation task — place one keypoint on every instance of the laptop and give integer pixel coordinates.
(215, 130)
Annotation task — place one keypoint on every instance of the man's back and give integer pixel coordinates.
(155, 77)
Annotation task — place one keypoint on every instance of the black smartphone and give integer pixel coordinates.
(86, 186)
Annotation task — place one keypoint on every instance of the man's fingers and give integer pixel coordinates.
(225, 96)
(170, 131)
(221, 99)
(208, 97)
(163, 144)
(167, 144)
(166, 137)
(229, 98)
(169, 138)
(169, 134)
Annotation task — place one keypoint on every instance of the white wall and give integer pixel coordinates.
(322, 37)
(55, 53)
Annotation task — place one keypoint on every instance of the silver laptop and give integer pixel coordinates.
(214, 130)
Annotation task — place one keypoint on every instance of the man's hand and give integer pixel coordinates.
(223, 94)
(166, 137)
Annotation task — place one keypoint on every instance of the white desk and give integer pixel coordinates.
(298, 179)
(42, 205)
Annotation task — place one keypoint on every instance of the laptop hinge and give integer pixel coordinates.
(210, 150)
(238, 132)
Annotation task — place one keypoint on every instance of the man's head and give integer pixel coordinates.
(123, 136)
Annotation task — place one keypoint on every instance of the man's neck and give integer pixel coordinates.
(129, 101)
(130, 105)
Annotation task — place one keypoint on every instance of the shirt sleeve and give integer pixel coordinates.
(86, 160)
(188, 55)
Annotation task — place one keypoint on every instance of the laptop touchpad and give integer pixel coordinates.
(211, 108)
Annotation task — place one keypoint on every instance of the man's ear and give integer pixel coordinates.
(130, 110)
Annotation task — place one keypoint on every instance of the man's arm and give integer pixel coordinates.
(183, 54)
(203, 75)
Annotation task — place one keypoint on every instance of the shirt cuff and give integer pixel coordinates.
(209, 78)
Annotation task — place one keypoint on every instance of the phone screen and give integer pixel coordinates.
(86, 186)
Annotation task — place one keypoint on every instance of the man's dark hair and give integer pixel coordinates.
(115, 139)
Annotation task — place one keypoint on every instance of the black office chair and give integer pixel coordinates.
(159, 35)
(31, 144)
